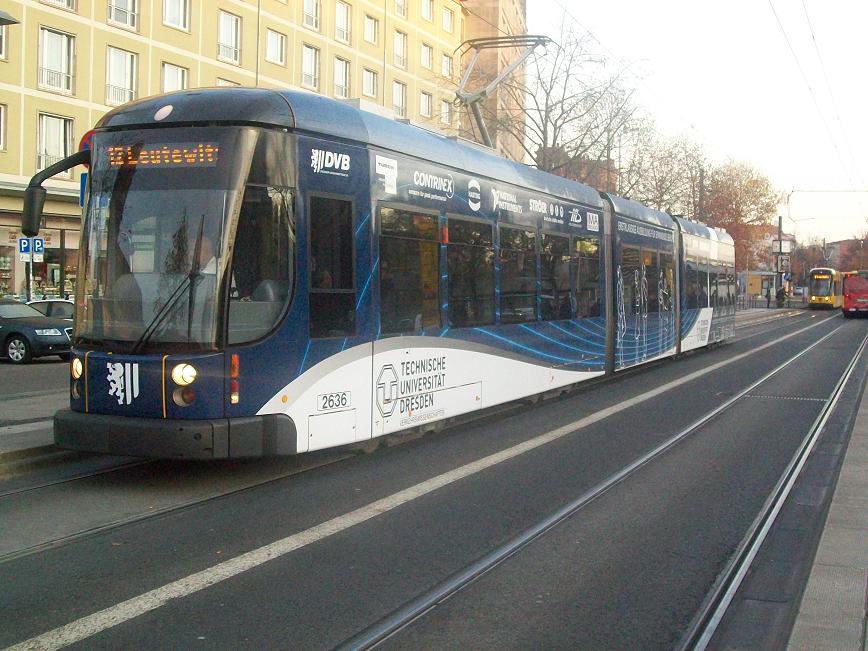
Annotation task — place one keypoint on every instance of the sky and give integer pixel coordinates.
(779, 84)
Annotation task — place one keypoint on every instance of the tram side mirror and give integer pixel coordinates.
(34, 201)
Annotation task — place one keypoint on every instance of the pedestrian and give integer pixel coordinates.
(768, 297)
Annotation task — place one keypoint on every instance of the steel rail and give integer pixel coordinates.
(711, 612)
(411, 611)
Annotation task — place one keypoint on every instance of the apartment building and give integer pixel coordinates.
(68, 62)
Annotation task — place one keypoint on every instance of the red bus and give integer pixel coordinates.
(855, 293)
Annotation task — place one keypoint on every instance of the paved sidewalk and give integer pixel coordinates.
(833, 614)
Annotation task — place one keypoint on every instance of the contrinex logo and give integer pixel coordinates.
(323, 161)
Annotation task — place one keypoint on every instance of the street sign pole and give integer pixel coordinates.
(30, 274)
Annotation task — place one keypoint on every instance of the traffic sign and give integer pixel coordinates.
(38, 245)
(784, 263)
(23, 245)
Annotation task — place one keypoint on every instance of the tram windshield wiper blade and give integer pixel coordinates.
(190, 281)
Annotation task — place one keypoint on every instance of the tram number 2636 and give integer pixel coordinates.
(338, 400)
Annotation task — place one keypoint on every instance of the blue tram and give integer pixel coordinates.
(269, 272)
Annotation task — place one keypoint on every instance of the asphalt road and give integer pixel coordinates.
(306, 553)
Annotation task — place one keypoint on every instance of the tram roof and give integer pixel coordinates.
(319, 115)
(702, 230)
(640, 212)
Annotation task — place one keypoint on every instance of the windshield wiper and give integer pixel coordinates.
(190, 281)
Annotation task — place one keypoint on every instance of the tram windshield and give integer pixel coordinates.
(821, 284)
(160, 227)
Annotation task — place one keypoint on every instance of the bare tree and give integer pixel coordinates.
(567, 110)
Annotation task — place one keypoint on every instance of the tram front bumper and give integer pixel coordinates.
(224, 438)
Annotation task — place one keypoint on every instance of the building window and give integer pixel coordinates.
(275, 47)
(311, 14)
(226, 82)
(401, 8)
(66, 4)
(401, 49)
(445, 112)
(309, 66)
(369, 83)
(425, 102)
(427, 56)
(124, 13)
(55, 140)
(446, 65)
(176, 13)
(428, 9)
(56, 51)
(342, 78)
(342, 22)
(399, 98)
(120, 77)
(372, 29)
(2, 126)
(448, 19)
(3, 41)
(229, 38)
(174, 77)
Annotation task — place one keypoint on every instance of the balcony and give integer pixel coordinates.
(44, 160)
(122, 16)
(55, 80)
(115, 95)
(228, 52)
(65, 4)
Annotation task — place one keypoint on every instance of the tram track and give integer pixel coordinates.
(708, 618)
(412, 611)
(331, 458)
(315, 462)
(280, 547)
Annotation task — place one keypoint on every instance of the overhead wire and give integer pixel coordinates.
(820, 112)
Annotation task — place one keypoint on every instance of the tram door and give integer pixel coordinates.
(339, 402)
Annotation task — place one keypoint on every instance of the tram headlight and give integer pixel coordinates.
(183, 397)
(184, 374)
(76, 368)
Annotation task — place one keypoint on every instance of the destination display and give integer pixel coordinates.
(430, 186)
(174, 155)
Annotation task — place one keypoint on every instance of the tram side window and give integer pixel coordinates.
(702, 288)
(555, 277)
(651, 278)
(586, 254)
(691, 283)
(409, 271)
(631, 290)
(712, 284)
(330, 269)
(470, 266)
(263, 262)
(665, 282)
(517, 275)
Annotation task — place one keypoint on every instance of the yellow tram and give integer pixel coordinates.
(825, 288)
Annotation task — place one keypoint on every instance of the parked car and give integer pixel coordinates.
(56, 307)
(27, 333)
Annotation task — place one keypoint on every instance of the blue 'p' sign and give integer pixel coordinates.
(23, 245)
(38, 245)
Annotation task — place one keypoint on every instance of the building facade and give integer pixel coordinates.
(68, 62)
